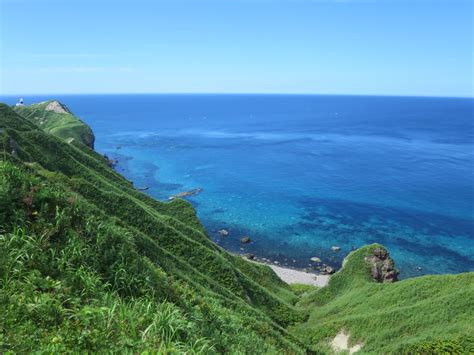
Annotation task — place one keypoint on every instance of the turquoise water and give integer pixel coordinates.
(300, 174)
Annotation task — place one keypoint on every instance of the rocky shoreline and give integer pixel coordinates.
(318, 269)
(315, 264)
(291, 275)
(381, 265)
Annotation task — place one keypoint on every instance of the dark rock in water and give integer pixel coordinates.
(110, 161)
(189, 193)
(328, 270)
(143, 188)
(250, 256)
(245, 240)
(382, 266)
(223, 232)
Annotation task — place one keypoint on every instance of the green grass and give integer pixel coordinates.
(62, 125)
(89, 263)
(402, 317)
(108, 243)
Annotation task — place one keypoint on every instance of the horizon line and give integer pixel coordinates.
(234, 93)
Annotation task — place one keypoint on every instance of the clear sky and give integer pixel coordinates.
(382, 47)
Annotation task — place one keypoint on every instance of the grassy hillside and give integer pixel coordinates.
(430, 314)
(88, 263)
(55, 118)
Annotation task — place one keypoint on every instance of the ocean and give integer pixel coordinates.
(299, 174)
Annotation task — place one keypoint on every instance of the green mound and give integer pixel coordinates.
(55, 118)
(409, 316)
(88, 263)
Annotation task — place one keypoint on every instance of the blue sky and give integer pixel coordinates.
(383, 47)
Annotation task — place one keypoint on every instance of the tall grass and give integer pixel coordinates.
(428, 314)
(74, 279)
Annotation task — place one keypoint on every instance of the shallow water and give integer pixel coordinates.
(299, 174)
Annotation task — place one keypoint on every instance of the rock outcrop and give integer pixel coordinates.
(223, 232)
(183, 194)
(245, 240)
(57, 107)
(327, 270)
(382, 266)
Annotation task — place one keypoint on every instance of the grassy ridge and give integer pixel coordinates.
(62, 124)
(174, 224)
(69, 215)
(430, 313)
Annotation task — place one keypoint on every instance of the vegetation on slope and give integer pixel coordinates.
(55, 118)
(429, 314)
(88, 263)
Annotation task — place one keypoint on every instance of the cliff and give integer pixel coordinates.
(55, 118)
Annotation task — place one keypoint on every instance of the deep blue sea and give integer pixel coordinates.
(299, 174)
